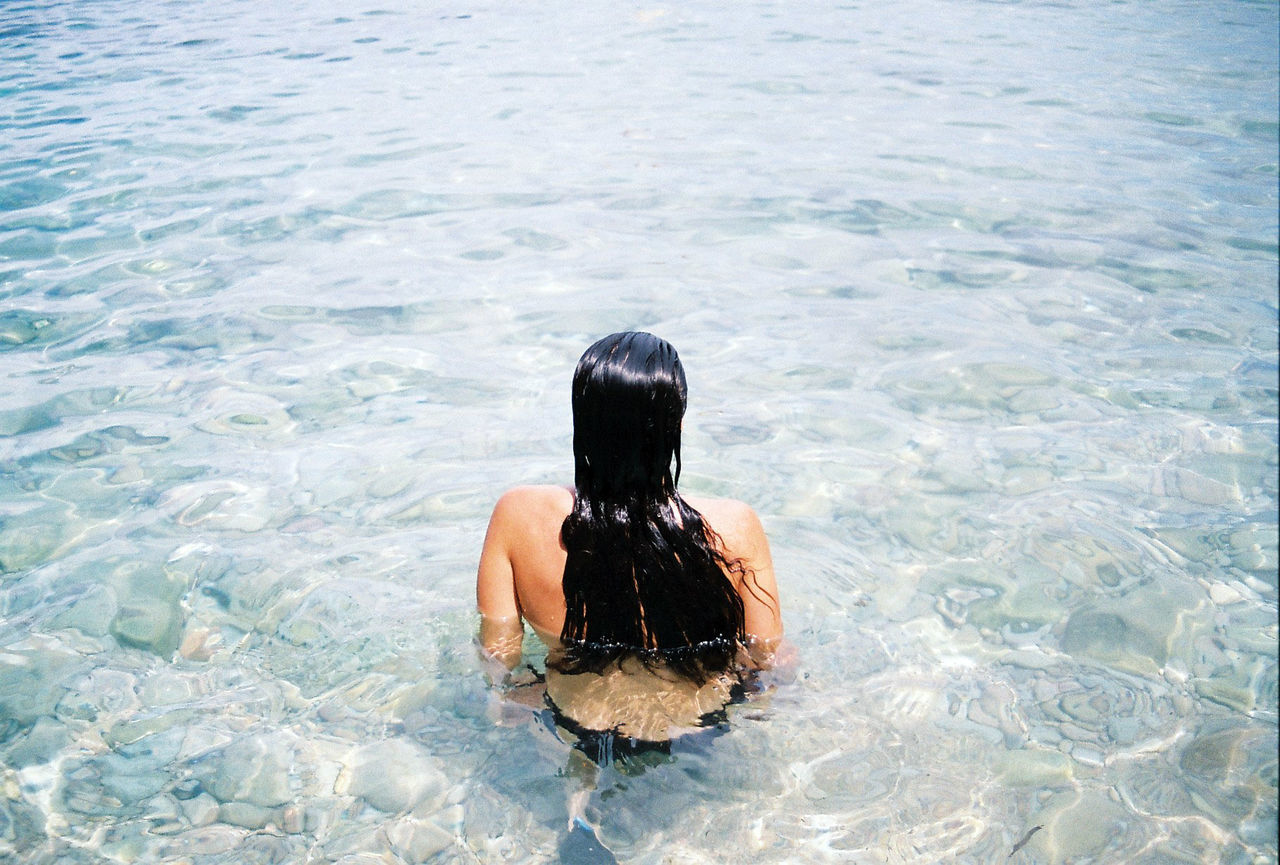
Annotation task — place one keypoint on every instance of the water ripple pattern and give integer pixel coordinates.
(978, 304)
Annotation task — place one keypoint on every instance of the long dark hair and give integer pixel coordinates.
(645, 575)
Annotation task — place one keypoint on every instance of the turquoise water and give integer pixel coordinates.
(978, 304)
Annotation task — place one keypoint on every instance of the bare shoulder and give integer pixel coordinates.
(733, 520)
(537, 497)
(521, 506)
(528, 517)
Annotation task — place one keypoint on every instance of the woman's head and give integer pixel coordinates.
(628, 405)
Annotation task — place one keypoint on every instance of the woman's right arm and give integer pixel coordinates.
(758, 587)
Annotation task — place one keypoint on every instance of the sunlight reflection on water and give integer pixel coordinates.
(979, 313)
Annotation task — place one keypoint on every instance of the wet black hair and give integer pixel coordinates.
(645, 575)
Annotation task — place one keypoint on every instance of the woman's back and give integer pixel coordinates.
(521, 573)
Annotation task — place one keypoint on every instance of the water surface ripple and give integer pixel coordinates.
(978, 303)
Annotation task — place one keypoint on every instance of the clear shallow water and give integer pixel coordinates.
(979, 311)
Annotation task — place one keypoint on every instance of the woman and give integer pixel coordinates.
(652, 606)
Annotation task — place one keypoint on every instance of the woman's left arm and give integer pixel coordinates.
(501, 625)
